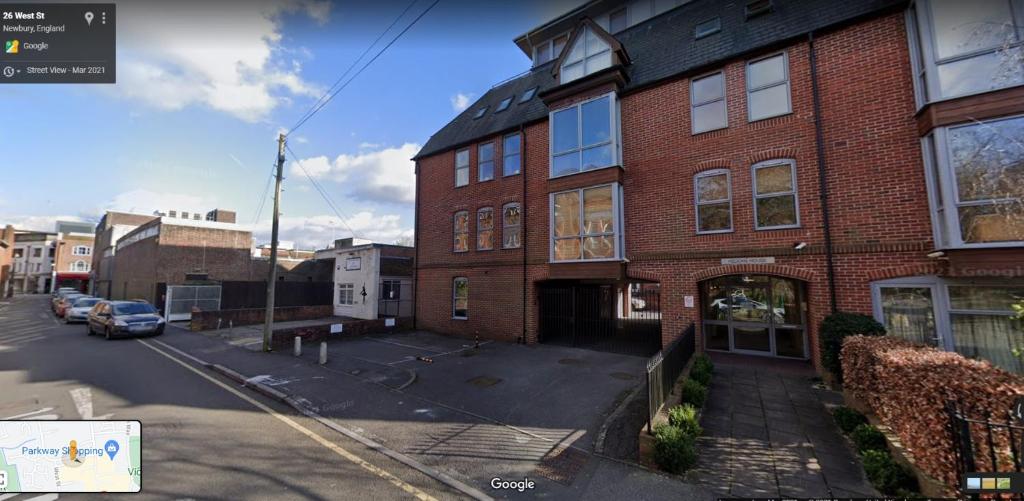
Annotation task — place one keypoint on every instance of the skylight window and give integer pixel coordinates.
(480, 112)
(528, 95)
(757, 7)
(504, 104)
(707, 28)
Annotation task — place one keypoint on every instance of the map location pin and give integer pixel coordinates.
(88, 18)
(111, 447)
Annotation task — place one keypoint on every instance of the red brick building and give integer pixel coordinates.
(746, 167)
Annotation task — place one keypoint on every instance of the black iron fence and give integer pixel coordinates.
(987, 443)
(604, 317)
(395, 299)
(664, 368)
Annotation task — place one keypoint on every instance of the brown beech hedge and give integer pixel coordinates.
(907, 385)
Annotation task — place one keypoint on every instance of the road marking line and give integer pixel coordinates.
(418, 494)
(44, 497)
(7, 496)
(40, 411)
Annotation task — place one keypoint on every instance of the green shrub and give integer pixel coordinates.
(684, 417)
(693, 393)
(701, 374)
(703, 363)
(888, 476)
(674, 450)
(868, 438)
(847, 419)
(837, 326)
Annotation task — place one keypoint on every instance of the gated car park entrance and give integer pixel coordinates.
(182, 298)
(614, 317)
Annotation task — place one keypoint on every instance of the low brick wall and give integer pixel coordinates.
(284, 338)
(206, 320)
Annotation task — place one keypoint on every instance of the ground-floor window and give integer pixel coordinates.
(972, 317)
(755, 314)
(346, 294)
(460, 298)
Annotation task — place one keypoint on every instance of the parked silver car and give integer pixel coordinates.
(79, 309)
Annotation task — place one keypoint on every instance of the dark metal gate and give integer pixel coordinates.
(620, 318)
(986, 444)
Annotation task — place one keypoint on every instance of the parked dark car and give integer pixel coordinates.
(124, 318)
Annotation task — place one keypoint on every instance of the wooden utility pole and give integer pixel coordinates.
(268, 325)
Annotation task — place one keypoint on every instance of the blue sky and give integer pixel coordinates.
(204, 87)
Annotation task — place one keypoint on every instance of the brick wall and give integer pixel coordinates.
(879, 208)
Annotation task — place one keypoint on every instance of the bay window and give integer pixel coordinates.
(584, 136)
(973, 318)
(962, 48)
(713, 201)
(586, 224)
(775, 200)
(976, 183)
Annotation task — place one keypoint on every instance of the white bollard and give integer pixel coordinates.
(298, 346)
(323, 352)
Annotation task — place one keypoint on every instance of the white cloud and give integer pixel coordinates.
(369, 146)
(385, 175)
(36, 223)
(460, 101)
(142, 201)
(227, 59)
(317, 232)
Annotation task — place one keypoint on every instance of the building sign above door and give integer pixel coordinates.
(748, 260)
(353, 263)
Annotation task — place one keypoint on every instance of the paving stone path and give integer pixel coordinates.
(767, 433)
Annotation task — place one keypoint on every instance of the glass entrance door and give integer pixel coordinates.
(755, 314)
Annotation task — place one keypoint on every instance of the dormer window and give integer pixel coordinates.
(549, 49)
(589, 54)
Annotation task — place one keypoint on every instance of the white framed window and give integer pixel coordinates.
(460, 298)
(462, 167)
(346, 294)
(589, 54)
(972, 317)
(511, 156)
(584, 136)
(768, 87)
(549, 49)
(775, 197)
(708, 109)
(485, 229)
(975, 178)
(485, 162)
(461, 231)
(962, 48)
(618, 20)
(81, 250)
(511, 225)
(712, 194)
(586, 224)
(79, 266)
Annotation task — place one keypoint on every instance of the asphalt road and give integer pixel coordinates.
(200, 439)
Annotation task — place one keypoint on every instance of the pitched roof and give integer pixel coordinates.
(660, 48)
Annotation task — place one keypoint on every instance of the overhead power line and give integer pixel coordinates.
(263, 200)
(331, 95)
(331, 89)
(323, 193)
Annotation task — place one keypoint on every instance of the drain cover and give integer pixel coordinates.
(623, 375)
(561, 464)
(484, 381)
